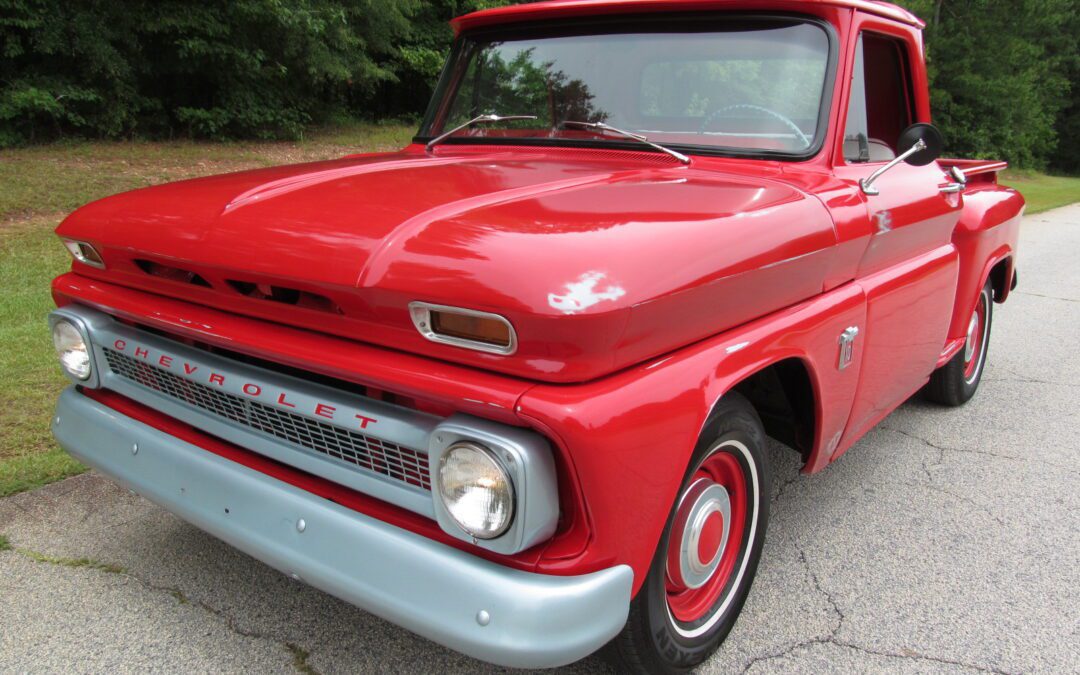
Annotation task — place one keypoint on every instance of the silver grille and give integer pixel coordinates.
(359, 450)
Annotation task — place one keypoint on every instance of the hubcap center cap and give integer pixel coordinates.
(700, 534)
(712, 535)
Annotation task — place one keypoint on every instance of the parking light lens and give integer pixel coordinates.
(72, 350)
(476, 490)
(486, 330)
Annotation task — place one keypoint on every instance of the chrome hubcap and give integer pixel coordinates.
(969, 345)
(702, 528)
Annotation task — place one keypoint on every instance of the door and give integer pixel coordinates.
(908, 270)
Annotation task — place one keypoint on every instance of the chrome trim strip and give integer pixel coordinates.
(509, 617)
(421, 318)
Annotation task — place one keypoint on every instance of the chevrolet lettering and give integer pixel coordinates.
(252, 389)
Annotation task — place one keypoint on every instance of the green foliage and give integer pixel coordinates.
(1002, 71)
(422, 54)
(1001, 74)
(215, 68)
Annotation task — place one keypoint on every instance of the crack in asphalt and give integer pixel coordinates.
(1025, 380)
(1048, 297)
(943, 449)
(832, 639)
(299, 654)
(816, 582)
(910, 655)
(784, 486)
(963, 498)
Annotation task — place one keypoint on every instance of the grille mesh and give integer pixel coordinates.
(382, 457)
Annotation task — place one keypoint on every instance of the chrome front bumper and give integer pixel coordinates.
(488, 611)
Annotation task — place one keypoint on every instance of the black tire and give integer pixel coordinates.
(654, 641)
(956, 382)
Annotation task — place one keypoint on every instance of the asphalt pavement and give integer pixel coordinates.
(947, 540)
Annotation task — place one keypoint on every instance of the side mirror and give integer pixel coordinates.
(931, 144)
(919, 145)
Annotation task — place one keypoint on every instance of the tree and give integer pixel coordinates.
(210, 68)
(999, 74)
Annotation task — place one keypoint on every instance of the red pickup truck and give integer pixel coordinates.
(510, 386)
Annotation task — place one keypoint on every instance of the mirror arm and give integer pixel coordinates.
(867, 184)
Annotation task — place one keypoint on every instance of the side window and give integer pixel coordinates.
(880, 105)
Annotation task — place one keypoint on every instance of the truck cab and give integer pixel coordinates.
(510, 386)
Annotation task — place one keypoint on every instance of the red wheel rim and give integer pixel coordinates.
(976, 339)
(690, 602)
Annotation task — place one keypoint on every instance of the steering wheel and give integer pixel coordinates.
(747, 106)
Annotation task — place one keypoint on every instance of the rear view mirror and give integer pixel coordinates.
(931, 144)
(918, 145)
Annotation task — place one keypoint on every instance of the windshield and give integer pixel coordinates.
(748, 87)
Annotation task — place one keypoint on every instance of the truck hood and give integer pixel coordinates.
(599, 259)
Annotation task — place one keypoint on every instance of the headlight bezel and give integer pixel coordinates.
(92, 379)
(489, 455)
(526, 456)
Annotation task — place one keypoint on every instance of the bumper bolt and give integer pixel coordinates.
(483, 618)
(301, 525)
(135, 449)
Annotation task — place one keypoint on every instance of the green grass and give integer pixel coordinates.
(5, 545)
(38, 186)
(1044, 192)
(60, 177)
(29, 257)
(87, 563)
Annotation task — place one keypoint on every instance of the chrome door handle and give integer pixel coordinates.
(952, 187)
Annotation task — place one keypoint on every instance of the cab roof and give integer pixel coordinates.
(559, 9)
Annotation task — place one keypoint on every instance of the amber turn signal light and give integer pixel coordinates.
(480, 329)
(471, 329)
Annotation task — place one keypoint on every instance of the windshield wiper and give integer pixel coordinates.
(601, 127)
(480, 119)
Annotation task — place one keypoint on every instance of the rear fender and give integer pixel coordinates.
(986, 235)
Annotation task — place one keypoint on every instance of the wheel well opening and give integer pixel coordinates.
(784, 399)
(999, 280)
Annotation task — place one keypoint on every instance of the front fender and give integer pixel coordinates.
(630, 436)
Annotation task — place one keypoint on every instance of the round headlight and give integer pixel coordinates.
(72, 350)
(476, 490)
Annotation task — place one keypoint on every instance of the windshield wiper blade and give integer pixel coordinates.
(479, 119)
(601, 127)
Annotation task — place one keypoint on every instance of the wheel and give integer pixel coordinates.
(955, 382)
(708, 554)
